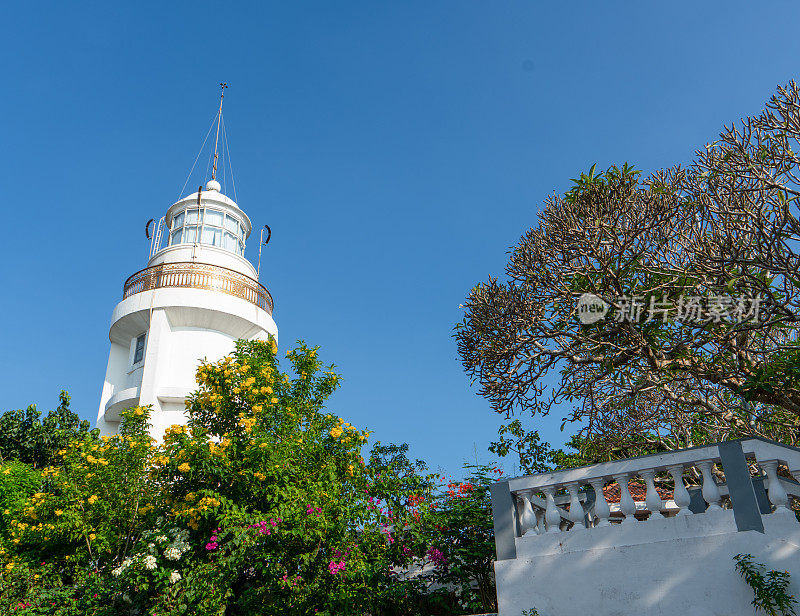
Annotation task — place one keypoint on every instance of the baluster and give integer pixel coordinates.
(527, 518)
(680, 494)
(777, 495)
(540, 529)
(626, 504)
(652, 499)
(576, 514)
(601, 508)
(551, 515)
(710, 490)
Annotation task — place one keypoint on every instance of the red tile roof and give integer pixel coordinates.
(638, 492)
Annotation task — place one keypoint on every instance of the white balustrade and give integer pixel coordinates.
(710, 490)
(576, 514)
(652, 499)
(601, 508)
(777, 495)
(555, 514)
(626, 503)
(680, 493)
(551, 516)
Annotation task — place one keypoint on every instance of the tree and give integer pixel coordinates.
(697, 269)
(27, 438)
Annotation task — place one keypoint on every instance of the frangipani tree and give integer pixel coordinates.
(697, 270)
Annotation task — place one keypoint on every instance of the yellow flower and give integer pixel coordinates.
(138, 412)
(7, 471)
(92, 499)
(263, 445)
(184, 468)
(92, 536)
(274, 401)
(336, 432)
(58, 512)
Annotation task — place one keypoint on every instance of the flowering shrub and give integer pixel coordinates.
(261, 504)
(451, 540)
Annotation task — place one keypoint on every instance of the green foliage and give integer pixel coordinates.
(769, 588)
(537, 456)
(460, 538)
(533, 454)
(262, 504)
(27, 438)
(17, 481)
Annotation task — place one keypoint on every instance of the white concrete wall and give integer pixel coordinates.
(676, 566)
(201, 253)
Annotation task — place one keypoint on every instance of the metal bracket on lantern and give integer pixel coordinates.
(262, 242)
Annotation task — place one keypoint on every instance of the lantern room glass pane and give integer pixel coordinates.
(176, 237)
(214, 217)
(192, 217)
(230, 242)
(211, 236)
(177, 222)
(189, 235)
(231, 224)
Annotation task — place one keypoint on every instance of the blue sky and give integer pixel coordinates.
(397, 150)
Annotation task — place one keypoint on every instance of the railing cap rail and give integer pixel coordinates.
(661, 460)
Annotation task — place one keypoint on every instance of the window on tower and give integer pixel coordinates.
(138, 351)
(210, 227)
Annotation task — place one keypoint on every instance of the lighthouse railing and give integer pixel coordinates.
(189, 275)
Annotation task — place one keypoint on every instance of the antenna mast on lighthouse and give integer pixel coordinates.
(222, 87)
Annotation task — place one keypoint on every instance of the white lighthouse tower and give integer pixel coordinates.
(197, 295)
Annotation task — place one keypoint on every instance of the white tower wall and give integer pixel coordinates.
(192, 302)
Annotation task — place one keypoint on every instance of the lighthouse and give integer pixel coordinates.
(196, 297)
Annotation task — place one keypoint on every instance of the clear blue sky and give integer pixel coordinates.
(397, 149)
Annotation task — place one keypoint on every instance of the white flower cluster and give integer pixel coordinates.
(178, 547)
(125, 564)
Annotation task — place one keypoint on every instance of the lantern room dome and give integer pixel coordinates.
(208, 218)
